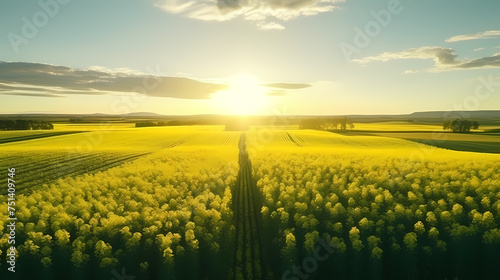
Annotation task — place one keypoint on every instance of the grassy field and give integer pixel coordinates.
(475, 142)
(393, 126)
(486, 140)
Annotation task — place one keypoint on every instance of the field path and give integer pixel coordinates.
(248, 262)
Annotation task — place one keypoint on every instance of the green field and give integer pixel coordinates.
(198, 202)
(485, 140)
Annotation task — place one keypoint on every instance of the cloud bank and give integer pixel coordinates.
(475, 36)
(263, 12)
(445, 59)
(44, 80)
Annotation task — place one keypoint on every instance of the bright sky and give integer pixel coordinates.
(249, 57)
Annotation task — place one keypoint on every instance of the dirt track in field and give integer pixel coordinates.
(248, 261)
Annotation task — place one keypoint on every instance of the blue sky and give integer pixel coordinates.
(209, 58)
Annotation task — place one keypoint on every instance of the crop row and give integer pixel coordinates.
(422, 219)
(34, 169)
(231, 139)
(292, 138)
(167, 215)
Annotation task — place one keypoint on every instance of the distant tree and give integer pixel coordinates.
(311, 124)
(343, 123)
(24, 125)
(145, 124)
(460, 125)
(446, 125)
(174, 123)
(327, 124)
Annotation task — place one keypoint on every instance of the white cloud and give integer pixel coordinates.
(441, 55)
(253, 10)
(270, 26)
(479, 35)
(287, 86)
(411, 71)
(478, 49)
(445, 59)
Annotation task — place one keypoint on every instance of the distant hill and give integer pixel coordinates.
(141, 114)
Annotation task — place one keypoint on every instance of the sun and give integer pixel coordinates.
(245, 96)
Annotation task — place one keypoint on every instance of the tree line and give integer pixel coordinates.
(325, 124)
(460, 125)
(25, 125)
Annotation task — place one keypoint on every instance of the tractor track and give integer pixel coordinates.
(290, 138)
(248, 260)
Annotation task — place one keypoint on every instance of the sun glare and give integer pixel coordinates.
(245, 96)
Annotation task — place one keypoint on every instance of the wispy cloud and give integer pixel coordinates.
(44, 80)
(445, 59)
(31, 94)
(270, 26)
(280, 89)
(276, 93)
(439, 54)
(475, 36)
(254, 10)
(287, 86)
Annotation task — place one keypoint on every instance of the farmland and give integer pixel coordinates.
(432, 214)
(160, 205)
(250, 140)
(484, 140)
(203, 203)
